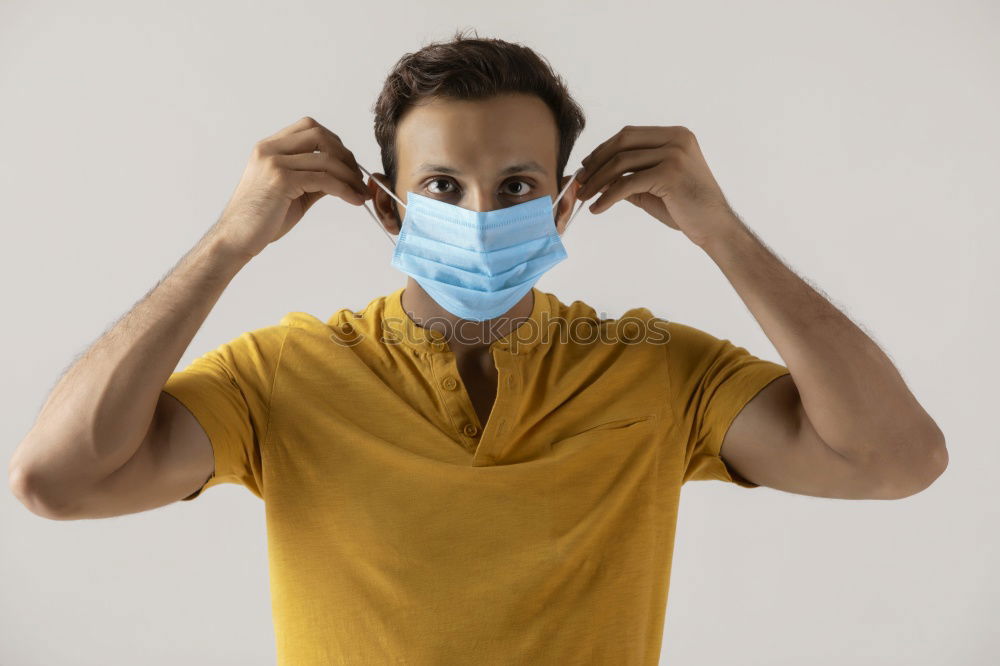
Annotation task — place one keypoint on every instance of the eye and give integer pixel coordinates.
(515, 187)
(522, 189)
(438, 180)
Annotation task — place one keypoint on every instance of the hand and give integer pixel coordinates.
(662, 171)
(287, 173)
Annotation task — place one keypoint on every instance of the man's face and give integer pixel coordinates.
(477, 154)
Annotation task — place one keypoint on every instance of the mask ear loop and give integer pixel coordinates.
(370, 212)
(566, 187)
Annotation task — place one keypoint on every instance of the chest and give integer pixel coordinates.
(479, 379)
(504, 408)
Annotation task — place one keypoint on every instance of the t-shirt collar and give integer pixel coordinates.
(530, 334)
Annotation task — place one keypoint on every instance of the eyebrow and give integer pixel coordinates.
(530, 165)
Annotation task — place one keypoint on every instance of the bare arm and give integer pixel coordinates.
(100, 411)
(108, 441)
(843, 424)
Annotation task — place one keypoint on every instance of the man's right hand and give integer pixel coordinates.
(109, 440)
(284, 177)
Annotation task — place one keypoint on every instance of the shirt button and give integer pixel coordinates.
(449, 383)
(470, 430)
(510, 380)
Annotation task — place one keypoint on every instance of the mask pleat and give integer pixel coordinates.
(477, 264)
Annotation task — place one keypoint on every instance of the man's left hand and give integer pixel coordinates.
(662, 171)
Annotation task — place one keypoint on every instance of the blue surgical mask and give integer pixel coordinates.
(476, 265)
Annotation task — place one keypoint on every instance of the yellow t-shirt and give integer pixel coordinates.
(401, 530)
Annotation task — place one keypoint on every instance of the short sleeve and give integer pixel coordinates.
(711, 380)
(228, 390)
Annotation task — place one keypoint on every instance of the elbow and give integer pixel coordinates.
(19, 481)
(920, 472)
(937, 460)
(24, 485)
(934, 460)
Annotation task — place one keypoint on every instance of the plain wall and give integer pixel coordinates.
(858, 139)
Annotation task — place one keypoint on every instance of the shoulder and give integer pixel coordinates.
(637, 325)
(348, 326)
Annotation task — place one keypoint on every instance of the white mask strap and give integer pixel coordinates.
(568, 183)
(370, 212)
(392, 194)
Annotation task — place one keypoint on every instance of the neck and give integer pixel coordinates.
(462, 333)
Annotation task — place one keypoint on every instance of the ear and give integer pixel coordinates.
(566, 205)
(387, 210)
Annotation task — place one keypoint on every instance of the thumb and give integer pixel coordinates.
(309, 198)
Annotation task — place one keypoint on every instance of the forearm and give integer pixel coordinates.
(851, 392)
(99, 411)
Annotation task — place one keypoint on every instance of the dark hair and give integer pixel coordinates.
(472, 68)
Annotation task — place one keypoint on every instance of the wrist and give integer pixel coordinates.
(222, 254)
(728, 231)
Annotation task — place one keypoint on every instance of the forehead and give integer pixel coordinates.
(477, 135)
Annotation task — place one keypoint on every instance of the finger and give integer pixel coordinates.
(301, 182)
(300, 124)
(627, 128)
(627, 138)
(654, 135)
(317, 138)
(619, 164)
(322, 162)
(638, 182)
(311, 139)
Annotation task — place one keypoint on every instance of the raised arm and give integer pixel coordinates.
(108, 440)
(842, 422)
(100, 412)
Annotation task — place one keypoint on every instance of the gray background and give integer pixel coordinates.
(859, 139)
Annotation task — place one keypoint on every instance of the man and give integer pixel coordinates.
(449, 490)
